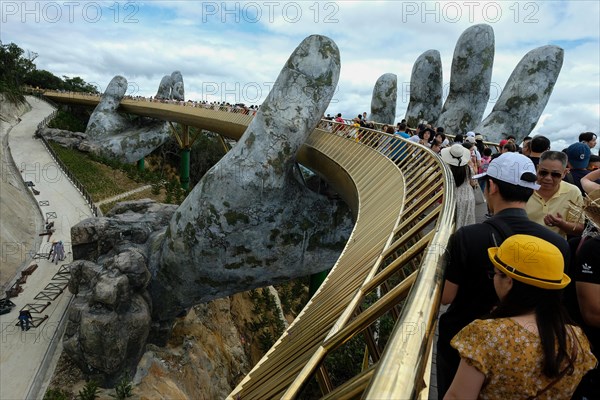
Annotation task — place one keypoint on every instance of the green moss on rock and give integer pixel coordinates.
(233, 217)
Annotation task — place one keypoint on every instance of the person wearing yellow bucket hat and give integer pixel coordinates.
(527, 348)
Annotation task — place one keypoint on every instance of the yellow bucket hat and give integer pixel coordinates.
(530, 260)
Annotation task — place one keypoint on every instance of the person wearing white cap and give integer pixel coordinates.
(510, 182)
(457, 158)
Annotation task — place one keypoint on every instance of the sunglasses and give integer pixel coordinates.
(544, 173)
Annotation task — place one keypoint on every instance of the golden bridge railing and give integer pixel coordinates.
(390, 270)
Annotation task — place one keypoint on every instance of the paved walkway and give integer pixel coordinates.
(27, 358)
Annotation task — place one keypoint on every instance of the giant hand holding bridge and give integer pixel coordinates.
(250, 222)
(114, 136)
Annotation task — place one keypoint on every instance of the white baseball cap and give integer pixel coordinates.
(513, 168)
(470, 133)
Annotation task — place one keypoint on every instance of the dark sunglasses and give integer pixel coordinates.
(544, 173)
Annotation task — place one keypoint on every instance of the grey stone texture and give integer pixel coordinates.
(470, 80)
(249, 222)
(383, 102)
(525, 95)
(72, 140)
(164, 88)
(426, 89)
(177, 90)
(110, 317)
(114, 136)
(171, 87)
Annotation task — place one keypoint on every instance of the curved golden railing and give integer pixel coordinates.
(391, 266)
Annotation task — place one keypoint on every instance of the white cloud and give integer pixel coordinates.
(240, 47)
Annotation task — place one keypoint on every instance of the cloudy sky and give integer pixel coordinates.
(233, 51)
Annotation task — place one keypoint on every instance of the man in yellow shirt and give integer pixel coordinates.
(550, 205)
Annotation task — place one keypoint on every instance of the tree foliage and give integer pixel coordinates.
(14, 66)
(17, 68)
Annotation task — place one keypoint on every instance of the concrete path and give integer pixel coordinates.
(27, 358)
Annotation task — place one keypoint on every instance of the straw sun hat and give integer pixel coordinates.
(530, 260)
(591, 207)
(455, 155)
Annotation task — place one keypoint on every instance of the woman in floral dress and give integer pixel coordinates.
(527, 349)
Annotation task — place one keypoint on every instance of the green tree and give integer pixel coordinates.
(77, 84)
(43, 79)
(14, 66)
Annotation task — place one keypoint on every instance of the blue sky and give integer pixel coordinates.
(233, 51)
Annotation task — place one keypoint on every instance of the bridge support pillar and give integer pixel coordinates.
(184, 173)
(185, 141)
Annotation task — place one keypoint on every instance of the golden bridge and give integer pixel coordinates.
(392, 264)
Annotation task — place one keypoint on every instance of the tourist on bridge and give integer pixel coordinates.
(538, 145)
(457, 158)
(550, 205)
(526, 347)
(583, 294)
(578, 159)
(588, 138)
(510, 182)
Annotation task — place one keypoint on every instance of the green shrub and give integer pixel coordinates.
(68, 122)
(11, 93)
(123, 390)
(89, 391)
(57, 394)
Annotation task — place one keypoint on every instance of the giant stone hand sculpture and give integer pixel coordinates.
(248, 223)
(112, 135)
(171, 87)
(516, 111)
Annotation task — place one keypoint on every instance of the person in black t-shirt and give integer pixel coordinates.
(510, 181)
(583, 294)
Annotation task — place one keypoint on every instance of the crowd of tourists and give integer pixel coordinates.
(523, 287)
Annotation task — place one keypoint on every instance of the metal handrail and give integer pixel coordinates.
(397, 256)
(404, 212)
